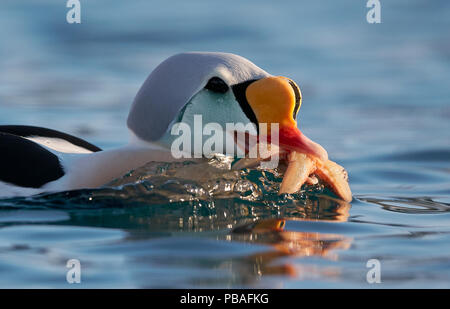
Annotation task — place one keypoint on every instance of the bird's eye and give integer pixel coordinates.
(216, 84)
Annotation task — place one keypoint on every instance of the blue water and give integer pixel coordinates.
(376, 96)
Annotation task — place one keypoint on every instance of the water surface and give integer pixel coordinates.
(375, 96)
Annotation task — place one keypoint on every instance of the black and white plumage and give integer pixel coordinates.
(36, 160)
(27, 158)
(213, 85)
(27, 164)
(51, 138)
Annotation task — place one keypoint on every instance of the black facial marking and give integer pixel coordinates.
(216, 84)
(28, 131)
(297, 98)
(239, 93)
(26, 164)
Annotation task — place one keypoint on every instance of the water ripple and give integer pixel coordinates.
(409, 205)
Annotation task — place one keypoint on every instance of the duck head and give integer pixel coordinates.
(206, 93)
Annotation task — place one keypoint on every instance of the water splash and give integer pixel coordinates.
(202, 188)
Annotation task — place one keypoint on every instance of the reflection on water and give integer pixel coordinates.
(160, 200)
(160, 227)
(294, 244)
(375, 96)
(238, 223)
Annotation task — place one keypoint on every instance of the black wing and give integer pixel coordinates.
(26, 164)
(29, 131)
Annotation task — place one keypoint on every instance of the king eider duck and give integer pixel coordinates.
(220, 87)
